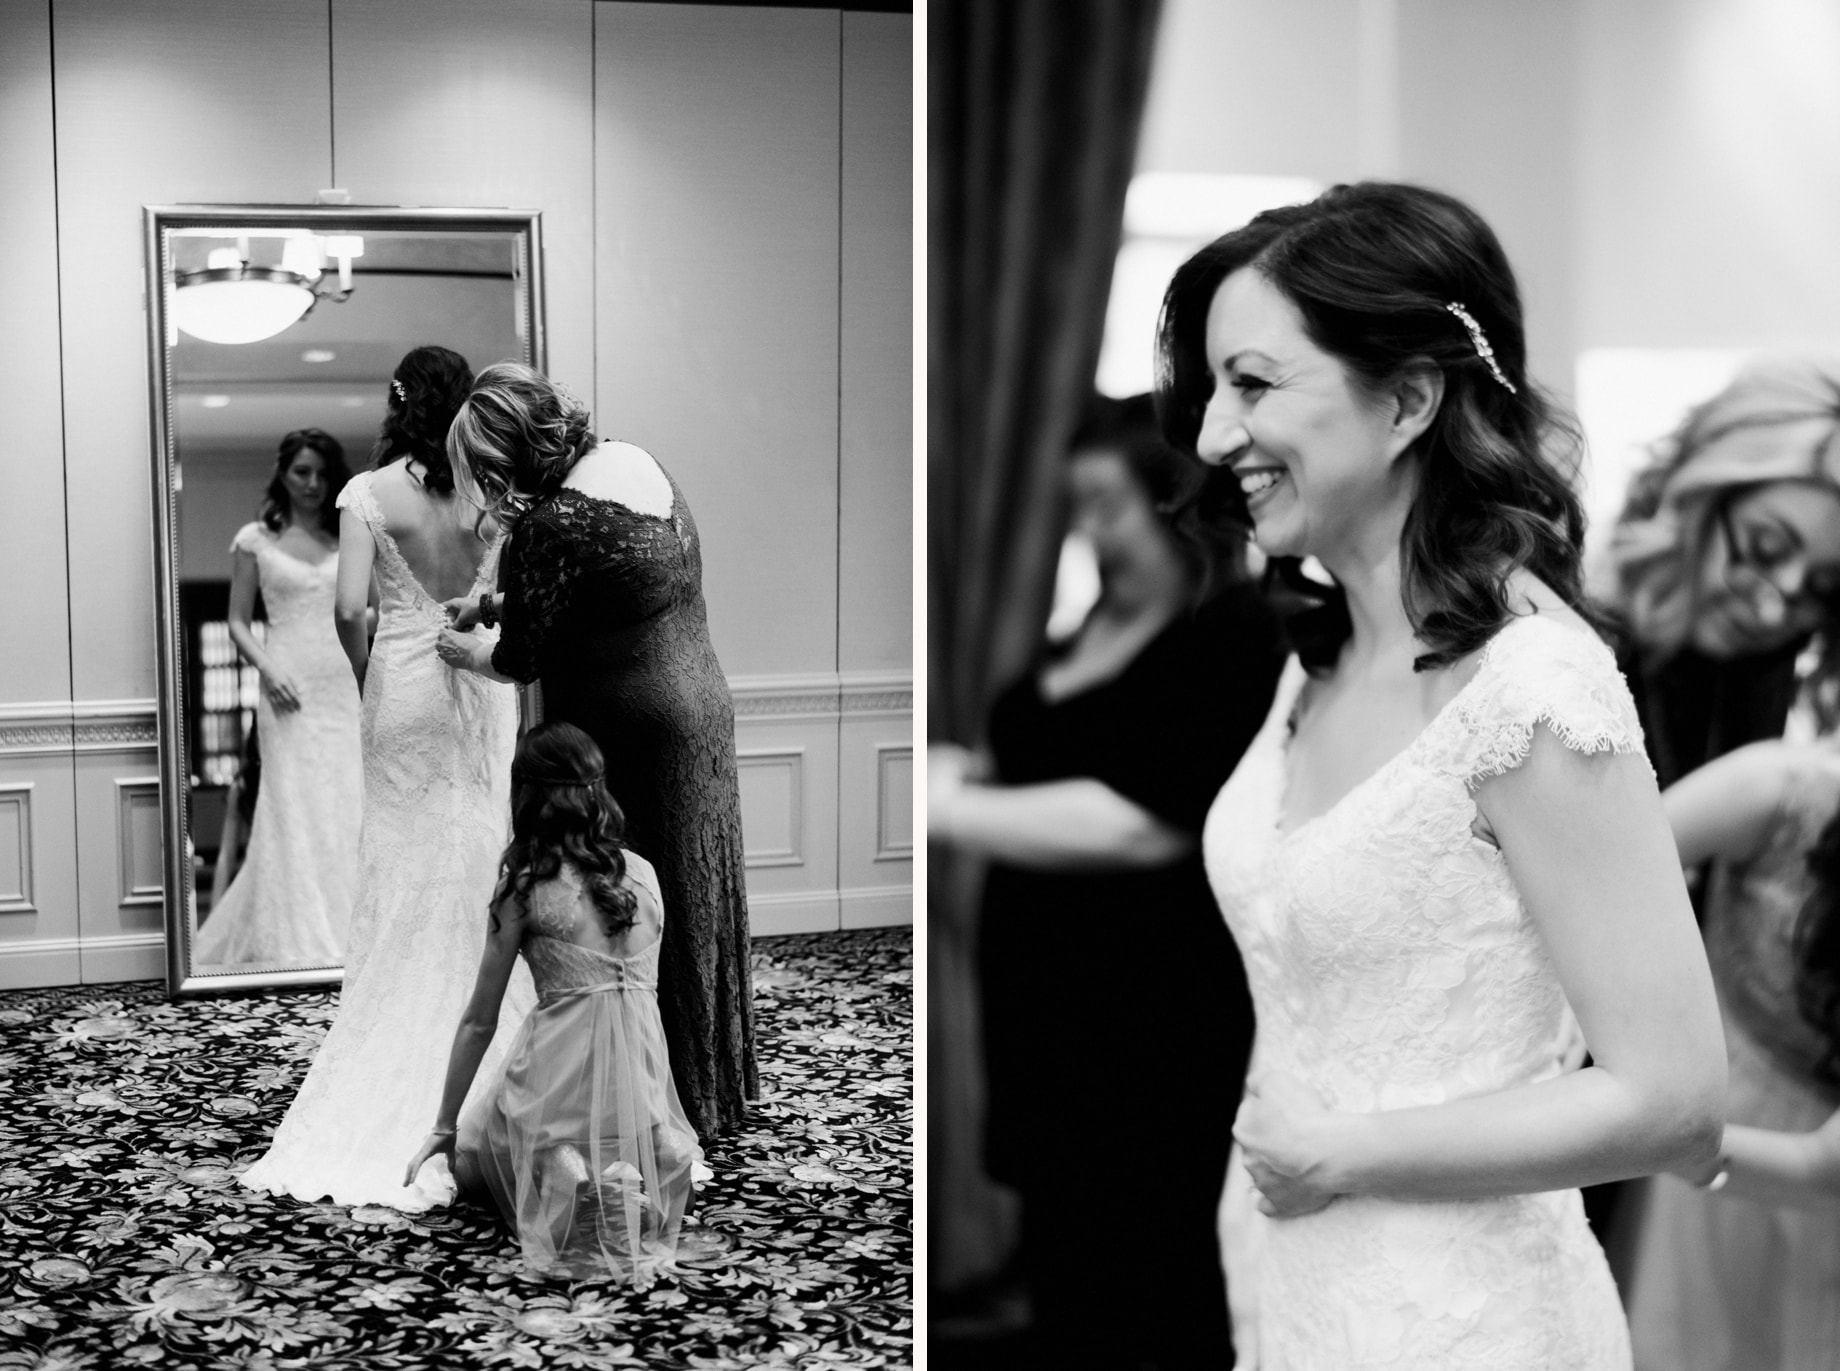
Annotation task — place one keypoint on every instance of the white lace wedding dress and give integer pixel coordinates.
(437, 764)
(291, 899)
(1393, 964)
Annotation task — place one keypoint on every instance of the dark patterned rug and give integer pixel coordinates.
(126, 1241)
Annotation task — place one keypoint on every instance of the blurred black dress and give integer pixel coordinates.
(606, 611)
(1117, 1019)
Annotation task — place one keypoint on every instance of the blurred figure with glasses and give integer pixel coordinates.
(1727, 566)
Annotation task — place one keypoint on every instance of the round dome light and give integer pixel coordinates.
(239, 304)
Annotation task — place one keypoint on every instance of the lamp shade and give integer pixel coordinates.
(239, 304)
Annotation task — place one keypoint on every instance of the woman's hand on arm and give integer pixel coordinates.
(282, 693)
(1724, 808)
(478, 1025)
(351, 596)
(1075, 824)
(1590, 852)
(1766, 1166)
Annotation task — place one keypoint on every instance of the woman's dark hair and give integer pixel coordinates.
(560, 808)
(1372, 268)
(277, 507)
(1816, 944)
(1215, 553)
(434, 381)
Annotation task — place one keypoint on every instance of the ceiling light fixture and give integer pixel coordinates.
(233, 301)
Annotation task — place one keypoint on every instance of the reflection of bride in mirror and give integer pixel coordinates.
(437, 783)
(292, 896)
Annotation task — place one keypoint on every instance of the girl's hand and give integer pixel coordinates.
(433, 1146)
(459, 650)
(281, 691)
(1290, 1141)
(462, 612)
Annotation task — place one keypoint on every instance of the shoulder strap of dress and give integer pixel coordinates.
(249, 537)
(642, 873)
(358, 497)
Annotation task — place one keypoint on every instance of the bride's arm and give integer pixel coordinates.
(351, 596)
(1590, 852)
(478, 1026)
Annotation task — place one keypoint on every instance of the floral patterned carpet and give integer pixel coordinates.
(126, 1241)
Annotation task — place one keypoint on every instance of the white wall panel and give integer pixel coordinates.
(876, 471)
(479, 103)
(208, 101)
(717, 148)
(32, 472)
(37, 806)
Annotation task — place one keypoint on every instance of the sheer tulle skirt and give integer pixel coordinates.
(581, 1141)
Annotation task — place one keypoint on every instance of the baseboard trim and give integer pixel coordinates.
(29, 963)
(877, 906)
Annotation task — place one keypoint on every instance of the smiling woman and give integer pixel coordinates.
(1444, 841)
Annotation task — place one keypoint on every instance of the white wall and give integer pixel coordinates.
(721, 212)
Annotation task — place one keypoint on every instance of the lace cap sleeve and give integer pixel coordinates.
(249, 537)
(1536, 671)
(640, 872)
(357, 497)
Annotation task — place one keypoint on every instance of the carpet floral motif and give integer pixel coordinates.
(126, 1241)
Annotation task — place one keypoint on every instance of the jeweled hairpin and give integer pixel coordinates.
(403, 395)
(1481, 341)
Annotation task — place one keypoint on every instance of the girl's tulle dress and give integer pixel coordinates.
(581, 1140)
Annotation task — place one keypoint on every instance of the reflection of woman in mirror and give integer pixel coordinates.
(603, 603)
(1727, 564)
(292, 897)
(437, 766)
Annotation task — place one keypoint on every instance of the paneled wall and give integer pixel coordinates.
(727, 222)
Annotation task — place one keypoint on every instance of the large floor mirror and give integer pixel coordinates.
(275, 331)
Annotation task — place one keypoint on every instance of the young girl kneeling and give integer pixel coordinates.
(581, 1142)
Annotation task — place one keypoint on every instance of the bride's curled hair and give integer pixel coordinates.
(561, 810)
(425, 390)
(1373, 270)
(516, 437)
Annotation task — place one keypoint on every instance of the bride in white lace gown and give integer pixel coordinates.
(290, 901)
(437, 759)
(1446, 840)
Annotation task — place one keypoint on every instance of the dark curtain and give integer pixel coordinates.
(1033, 108)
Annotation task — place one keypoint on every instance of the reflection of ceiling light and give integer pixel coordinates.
(231, 301)
(214, 401)
(351, 402)
(318, 355)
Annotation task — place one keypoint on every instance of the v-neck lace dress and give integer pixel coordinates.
(290, 903)
(437, 815)
(1393, 964)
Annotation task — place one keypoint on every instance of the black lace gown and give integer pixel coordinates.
(605, 610)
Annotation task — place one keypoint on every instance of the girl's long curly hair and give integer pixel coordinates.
(1372, 268)
(1816, 944)
(561, 810)
(433, 382)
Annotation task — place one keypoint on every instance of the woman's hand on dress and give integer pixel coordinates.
(433, 1145)
(461, 651)
(282, 693)
(1289, 1140)
(462, 612)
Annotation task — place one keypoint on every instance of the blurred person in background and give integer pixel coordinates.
(1726, 565)
(1736, 1265)
(1117, 1022)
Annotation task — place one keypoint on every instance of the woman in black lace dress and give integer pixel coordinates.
(601, 602)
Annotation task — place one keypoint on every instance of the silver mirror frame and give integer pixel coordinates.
(175, 781)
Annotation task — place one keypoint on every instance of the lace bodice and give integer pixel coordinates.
(1393, 964)
(559, 908)
(297, 594)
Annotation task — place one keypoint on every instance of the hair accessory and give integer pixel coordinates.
(403, 395)
(1481, 341)
(526, 776)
